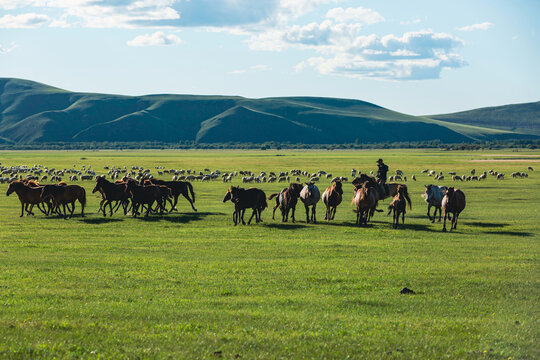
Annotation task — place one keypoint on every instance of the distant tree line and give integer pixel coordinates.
(271, 145)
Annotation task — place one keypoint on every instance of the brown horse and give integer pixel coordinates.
(65, 195)
(28, 196)
(453, 202)
(286, 200)
(178, 188)
(332, 197)
(246, 198)
(390, 189)
(365, 201)
(111, 192)
(399, 206)
(143, 195)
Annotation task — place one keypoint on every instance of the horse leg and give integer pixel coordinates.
(307, 213)
(242, 216)
(30, 211)
(274, 209)
(403, 219)
(41, 207)
(428, 215)
(314, 213)
(293, 209)
(440, 212)
(252, 214)
(73, 209)
(149, 208)
(444, 222)
(190, 202)
(22, 209)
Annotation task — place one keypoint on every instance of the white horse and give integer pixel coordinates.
(310, 196)
(433, 195)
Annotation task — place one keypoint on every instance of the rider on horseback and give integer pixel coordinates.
(381, 175)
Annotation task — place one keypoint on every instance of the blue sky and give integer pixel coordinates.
(417, 57)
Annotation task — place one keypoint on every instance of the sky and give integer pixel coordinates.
(417, 56)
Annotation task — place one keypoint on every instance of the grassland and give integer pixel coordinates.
(191, 286)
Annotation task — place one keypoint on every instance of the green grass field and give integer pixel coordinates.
(192, 286)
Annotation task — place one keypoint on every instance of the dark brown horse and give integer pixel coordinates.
(382, 193)
(332, 197)
(178, 188)
(65, 195)
(143, 195)
(244, 199)
(453, 202)
(286, 200)
(111, 192)
(28, 196)
(365, 201)
(399, 206)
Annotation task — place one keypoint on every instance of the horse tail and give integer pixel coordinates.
(406, 195)
(273, 196)
(190, 188)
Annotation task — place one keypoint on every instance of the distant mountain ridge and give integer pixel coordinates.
(32, 112)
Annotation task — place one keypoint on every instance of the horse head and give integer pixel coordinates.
(14, 185)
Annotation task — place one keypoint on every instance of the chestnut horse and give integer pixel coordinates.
(399, 206)
(28, 195)
(365, 201)
(286, 200)
(65, 195)
(332, 197)
(390, 190)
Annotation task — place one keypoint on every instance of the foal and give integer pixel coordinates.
(399, 206)
(332, 197)
(286, 200)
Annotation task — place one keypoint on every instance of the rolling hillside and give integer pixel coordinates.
(520, 117)
(33, 112)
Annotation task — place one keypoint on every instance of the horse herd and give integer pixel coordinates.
(367, 193)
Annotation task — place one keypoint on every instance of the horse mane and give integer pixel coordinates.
(33, 183)
(62, 183)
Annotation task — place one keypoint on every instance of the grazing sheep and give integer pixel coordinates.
(414, 177)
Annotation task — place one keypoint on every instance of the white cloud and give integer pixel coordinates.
(156, 39)
(28, 20)
(359, 14)
(5, 50)
(481, 26)
(412, 56)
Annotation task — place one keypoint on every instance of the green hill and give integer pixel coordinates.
(519, 117)
(33, 112)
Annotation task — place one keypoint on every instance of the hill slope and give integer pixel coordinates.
(34, 112)
(519, 117)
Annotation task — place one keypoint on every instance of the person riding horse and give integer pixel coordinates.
(381, 175)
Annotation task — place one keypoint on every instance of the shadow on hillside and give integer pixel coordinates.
(485, 224)
(284, 226)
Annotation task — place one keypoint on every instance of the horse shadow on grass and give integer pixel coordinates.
(100, 220)
(284, 226)
(485, 224)
(178, 218)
